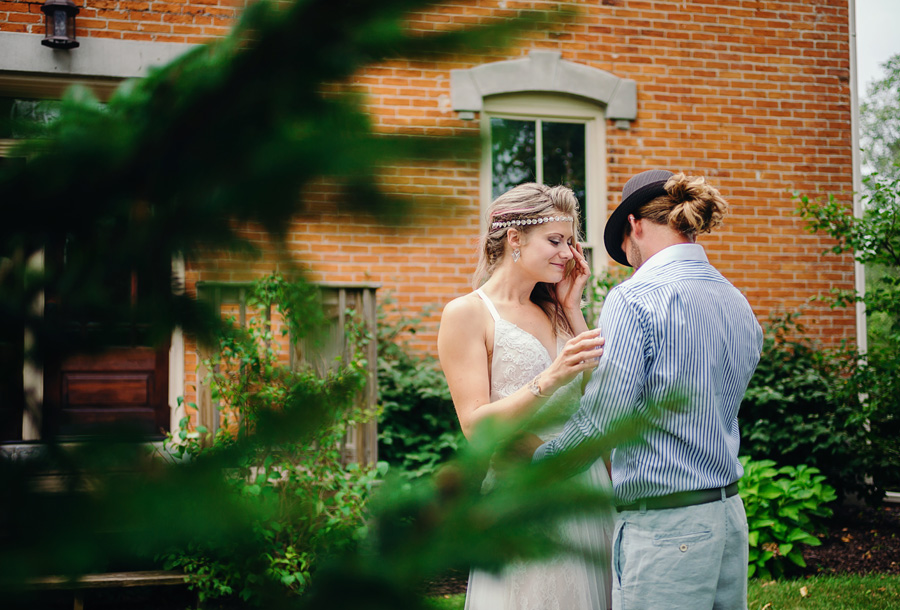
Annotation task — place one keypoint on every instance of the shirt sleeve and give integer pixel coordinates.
(615, 385)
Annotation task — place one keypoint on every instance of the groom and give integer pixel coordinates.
(677, 330)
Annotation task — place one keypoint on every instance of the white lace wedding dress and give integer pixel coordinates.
(564, 582)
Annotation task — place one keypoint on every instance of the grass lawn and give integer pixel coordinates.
(817, 593)
(876, 592)
(451, 602)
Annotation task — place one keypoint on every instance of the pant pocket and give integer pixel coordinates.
(617, 554)
(682, 542)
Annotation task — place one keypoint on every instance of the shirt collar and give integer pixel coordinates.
(678, 252)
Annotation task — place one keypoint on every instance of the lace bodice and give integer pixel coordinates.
(518, 358)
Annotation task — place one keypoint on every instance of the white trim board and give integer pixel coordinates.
(96, 57)
(545, 72)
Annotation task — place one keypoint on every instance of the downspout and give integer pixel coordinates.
(860, 271)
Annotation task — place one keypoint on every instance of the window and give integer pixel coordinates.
(539, 150)
(549, 139)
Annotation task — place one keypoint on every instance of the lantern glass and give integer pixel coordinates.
(60, 22)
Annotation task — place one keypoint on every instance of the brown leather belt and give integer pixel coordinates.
(682, 498)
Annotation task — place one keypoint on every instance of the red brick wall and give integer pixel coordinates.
(754, 95)
(191, 21)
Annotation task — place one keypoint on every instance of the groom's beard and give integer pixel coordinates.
(634, 254)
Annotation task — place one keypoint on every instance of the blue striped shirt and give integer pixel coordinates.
(677, 329)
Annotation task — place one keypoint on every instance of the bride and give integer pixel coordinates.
(519, 346)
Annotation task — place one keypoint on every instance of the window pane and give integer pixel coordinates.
(564, 160)
(22, 118)
(512, 154)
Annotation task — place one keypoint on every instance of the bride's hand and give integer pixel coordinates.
(571, 288)
(581, 353)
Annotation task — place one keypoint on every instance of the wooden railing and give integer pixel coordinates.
(361, 443)
(79, 587)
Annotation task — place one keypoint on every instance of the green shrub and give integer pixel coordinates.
(802, 406)
(875, 386)
(785, 509)
(418, 429)
(872, 390)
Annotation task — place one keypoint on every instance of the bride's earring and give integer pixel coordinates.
(516, 255)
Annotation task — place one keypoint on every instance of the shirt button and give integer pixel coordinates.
(683, 548)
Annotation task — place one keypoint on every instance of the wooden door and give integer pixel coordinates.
(125, 384)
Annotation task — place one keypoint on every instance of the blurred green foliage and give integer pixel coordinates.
(171, 167)
(598, 288)
(175, 163)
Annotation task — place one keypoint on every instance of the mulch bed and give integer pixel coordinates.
(454, 582)
(859, 540)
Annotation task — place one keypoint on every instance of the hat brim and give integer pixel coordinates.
(615, 226)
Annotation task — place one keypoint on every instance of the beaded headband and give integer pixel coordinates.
(530, 221)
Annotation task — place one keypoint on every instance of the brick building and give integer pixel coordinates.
(756, 95)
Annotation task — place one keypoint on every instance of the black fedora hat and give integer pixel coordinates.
(640, 189)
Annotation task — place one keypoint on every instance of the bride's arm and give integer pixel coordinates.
(463, 355)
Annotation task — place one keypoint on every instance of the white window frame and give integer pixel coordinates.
(561, 109)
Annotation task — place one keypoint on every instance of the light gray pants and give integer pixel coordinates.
(693, 557)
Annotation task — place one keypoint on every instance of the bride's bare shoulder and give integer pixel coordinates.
(468, 307)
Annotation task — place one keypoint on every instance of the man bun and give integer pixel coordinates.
(697, 206)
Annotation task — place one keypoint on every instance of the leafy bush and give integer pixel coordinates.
(418, 429)
(872, 388)
(785, 508)
(308, 505)
(800, 406)
(875, 382)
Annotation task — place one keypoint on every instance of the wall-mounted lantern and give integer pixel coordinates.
(60, 21)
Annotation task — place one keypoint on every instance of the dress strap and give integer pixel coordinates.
(487, 302)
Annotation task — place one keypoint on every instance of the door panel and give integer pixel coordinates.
(126, 386)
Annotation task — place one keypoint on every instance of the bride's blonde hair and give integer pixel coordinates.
(523, 202)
